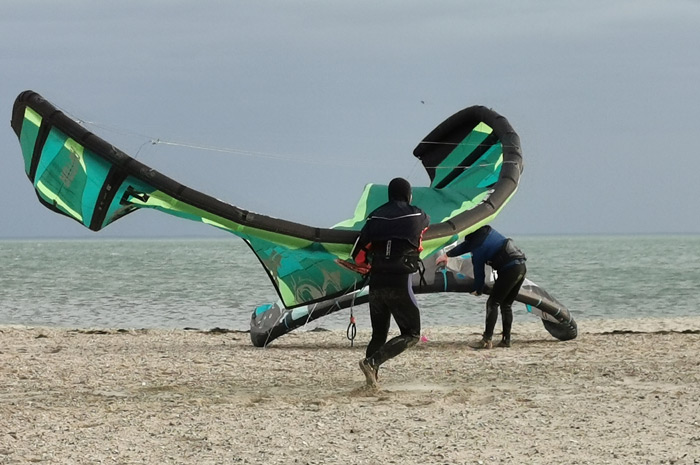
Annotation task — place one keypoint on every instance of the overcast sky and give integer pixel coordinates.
(310, 100)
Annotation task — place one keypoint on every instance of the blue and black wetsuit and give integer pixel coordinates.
(391, 241)
(489, 247)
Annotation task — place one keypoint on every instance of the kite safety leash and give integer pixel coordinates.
(351, 332)
(352, 329)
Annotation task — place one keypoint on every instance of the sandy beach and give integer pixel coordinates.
(625, 391)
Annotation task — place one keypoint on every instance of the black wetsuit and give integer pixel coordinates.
(391, 241)
(489, 247)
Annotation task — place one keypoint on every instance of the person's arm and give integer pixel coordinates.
(426, 224)
(361, 248)
(458, 250)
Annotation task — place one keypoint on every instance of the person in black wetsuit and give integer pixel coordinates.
(390, 242)
(489, 247)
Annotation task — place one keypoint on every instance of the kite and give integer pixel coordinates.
(473, 160)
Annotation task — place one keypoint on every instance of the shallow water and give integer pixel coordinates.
(207, 283)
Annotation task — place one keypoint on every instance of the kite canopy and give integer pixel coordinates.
(473, 160)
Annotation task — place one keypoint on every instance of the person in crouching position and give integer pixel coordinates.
(390, 242)
(489, 247)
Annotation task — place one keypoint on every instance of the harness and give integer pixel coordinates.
(395, 256)
(509, 253)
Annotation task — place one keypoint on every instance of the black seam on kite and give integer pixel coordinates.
(41, 137)
(52, 206)
(109, 189)
(481, 149)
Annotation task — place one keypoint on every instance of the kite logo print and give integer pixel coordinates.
(71, 170)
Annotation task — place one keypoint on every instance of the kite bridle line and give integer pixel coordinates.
(243, 152)
(291, 158)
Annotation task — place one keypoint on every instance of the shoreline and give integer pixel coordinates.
(528, 325)
(624, 391)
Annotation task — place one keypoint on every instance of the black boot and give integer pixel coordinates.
(505, 342)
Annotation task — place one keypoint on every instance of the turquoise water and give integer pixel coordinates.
(208, 283)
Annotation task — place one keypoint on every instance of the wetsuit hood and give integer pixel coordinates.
(400, 189)
(476, 238)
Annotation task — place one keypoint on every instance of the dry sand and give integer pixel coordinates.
(625, 391)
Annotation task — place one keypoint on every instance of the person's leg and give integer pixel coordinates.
(507, 322)
(491, 316)
(404, 308)
(380, 318)
(514, 275)
(501, 288)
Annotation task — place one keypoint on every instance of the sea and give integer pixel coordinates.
(217, 283)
